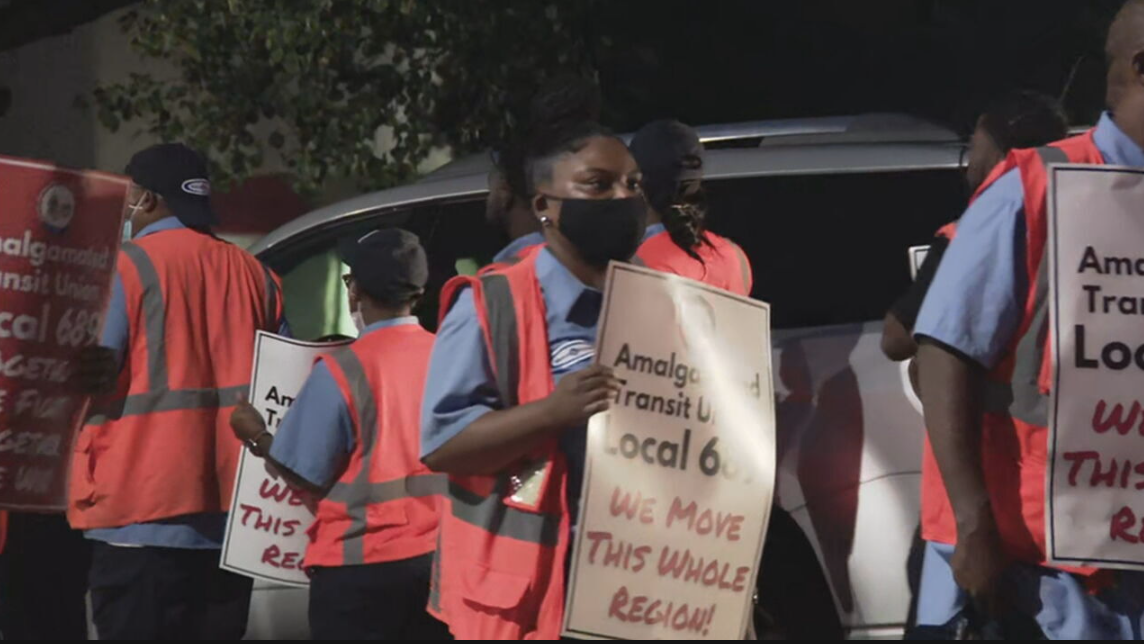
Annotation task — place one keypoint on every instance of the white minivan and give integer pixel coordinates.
(826, 210)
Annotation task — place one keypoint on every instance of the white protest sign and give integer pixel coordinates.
(266, 531)
(917, 256)
(679, 473)
(1095, 512)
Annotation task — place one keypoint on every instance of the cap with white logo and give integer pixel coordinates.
(178, 174)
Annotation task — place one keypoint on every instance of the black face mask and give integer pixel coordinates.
(603, 230)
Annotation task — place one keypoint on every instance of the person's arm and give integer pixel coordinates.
(966, 323)
(953, 414)
(314, 440)
(262, 446)
(499, 438)
(897, 342)
(465, 430)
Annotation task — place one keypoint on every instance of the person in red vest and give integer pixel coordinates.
(511, 387)
(1018, 120)
(670, 156)
(982, 335)
(154, 466)
(351, 439)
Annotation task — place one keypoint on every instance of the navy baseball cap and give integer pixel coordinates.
(178, 174)
(388, 264)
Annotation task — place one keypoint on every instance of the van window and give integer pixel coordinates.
(455, 236)
(831, 249)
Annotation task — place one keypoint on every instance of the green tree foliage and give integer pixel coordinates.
(313, 80)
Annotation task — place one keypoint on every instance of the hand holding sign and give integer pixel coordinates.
(679, 471)
(247, 424)
(580, 395)
(266, 530)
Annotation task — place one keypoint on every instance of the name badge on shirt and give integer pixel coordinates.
(528, 483)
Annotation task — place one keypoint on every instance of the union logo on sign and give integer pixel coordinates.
(56, 207)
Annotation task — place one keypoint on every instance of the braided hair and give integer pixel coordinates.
(670, 156)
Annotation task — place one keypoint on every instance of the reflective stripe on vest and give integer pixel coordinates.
(160, 397)
(490, 512)
(435, 578)
(500, 311)
(1021, 398)
(361, 493)
(492, 515)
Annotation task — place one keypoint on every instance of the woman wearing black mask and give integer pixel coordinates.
(511, 386)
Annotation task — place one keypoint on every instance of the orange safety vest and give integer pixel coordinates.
(724, 264)
(949, 231)
(499, 569)
(1015, 425)
(496, 266)
(384, 507)
(162, 446)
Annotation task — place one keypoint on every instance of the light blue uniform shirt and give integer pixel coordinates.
(194, 531)
(975, 306)
(316, 436)
(977, 297)
(461, 388)
(515, 246)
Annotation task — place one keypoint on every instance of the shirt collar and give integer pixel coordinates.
(517, 245)
(1115, 146)
(653, 230)
(560, 288)
(392, 322)
(166, 223)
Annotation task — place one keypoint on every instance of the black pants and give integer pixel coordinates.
(43, 579)
(166, 593)
(384, 601)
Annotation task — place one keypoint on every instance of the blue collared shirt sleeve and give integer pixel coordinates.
(316, 437)
(460, 387)
(977, 298)
(116, 328)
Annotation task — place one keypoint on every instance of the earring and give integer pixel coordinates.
(545, 221)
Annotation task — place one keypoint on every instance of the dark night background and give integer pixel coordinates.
(741, 60)
(736, 61)
(719, 62)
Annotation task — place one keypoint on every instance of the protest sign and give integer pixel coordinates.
(59, 239)
(266, 531)
(1095, 512)
(679, 473)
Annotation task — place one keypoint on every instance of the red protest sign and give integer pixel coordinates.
(59, 237)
